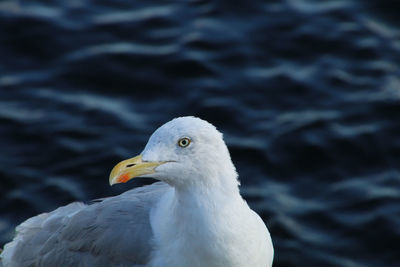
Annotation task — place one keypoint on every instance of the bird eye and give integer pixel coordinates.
(184, 142)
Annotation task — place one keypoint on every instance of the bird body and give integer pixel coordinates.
(209, 233)
(195, 215)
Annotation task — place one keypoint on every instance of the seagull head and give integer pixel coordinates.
(184, 151)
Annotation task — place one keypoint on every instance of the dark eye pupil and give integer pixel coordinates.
(184, 142)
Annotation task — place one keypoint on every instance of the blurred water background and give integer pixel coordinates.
(307, 94)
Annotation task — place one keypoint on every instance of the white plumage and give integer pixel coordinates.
(194, 217)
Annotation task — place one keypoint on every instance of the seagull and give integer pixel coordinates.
(193, 216)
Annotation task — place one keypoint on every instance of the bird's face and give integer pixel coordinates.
(183, 151)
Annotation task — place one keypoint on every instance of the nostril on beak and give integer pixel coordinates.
(130, 165)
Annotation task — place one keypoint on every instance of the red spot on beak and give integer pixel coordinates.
(123, 178)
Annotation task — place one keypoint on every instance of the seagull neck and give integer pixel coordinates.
(196, 195)
(217, 181)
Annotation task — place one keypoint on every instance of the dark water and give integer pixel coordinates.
(307, 94)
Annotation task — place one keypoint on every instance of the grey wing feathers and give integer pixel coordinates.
(113, 232)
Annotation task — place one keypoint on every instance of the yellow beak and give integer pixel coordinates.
(131, 168)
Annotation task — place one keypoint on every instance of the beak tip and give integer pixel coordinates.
(122, 178)
(112, 181)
